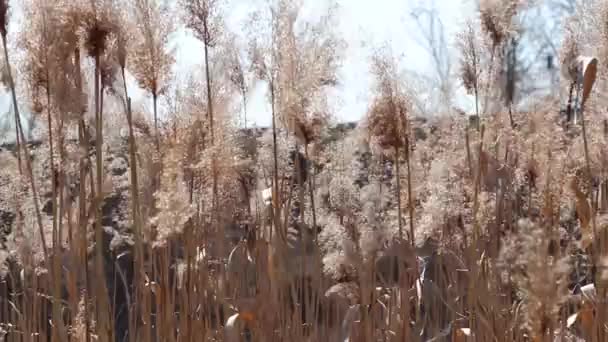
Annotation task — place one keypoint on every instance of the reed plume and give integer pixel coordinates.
(151, 59)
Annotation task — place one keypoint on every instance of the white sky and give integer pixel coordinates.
(364, 24)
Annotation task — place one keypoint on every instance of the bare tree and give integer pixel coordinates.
(433, 39)
(531, 54)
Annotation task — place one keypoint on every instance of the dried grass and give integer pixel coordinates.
(198, 230)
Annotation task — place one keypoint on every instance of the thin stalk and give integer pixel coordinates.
(588, 166)
(244, 94)
(214, 169)
(511, 81)
(23, 143)
(275, 175)
(138, 261)
(146, 319)
(277, 252)
(18, 142)
(409, 189)
(311, 189)
(398, 181)
(62, 205)
(82, 215)
(477, 186)
(586, 146)
(210, 112)
(476, 88)
(599, 251)
(569, 105)
(50, 137)
(189, 283)
(208, 79)
(58, 326)
(102, 301)
(477, 106)
(299, 181)
(155, 105)
(468, 147)
(59, 333)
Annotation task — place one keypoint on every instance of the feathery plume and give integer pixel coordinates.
(496, 19)
(470, 60)
(569, 53)
(204, 19)
(151, 61)
(99, 25)
(388, 112)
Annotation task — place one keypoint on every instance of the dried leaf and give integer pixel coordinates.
(584, 212)
(589, 71)
(588, 292)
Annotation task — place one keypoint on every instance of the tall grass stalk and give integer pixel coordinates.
(22, 141)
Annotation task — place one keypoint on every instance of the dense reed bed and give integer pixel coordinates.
(178, 221)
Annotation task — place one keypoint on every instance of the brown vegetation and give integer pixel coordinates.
(115, 226)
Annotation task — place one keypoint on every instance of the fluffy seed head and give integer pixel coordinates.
(96, 36)
(569, 53)
(470, 59)
(386, 121)
(387, 114)
(491, 26)
(497, 18)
